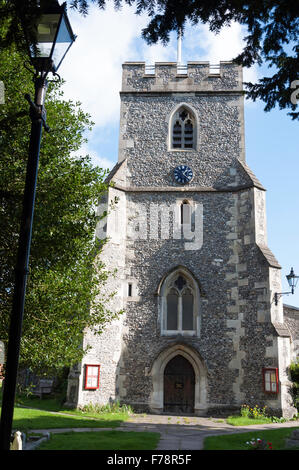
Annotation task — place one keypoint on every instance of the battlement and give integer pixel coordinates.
(169, 77)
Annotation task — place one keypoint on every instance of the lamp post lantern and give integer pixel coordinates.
(292, 281)
(54, 37)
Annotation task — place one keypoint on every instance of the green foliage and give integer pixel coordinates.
(246, 421)
(114, 407)
(253, 413)
(259, 444)
(65, 284)
(294, 389)
(277, 438)
(294, 371)
(30, 418)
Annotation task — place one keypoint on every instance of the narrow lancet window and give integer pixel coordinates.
(177, 135)
(172, 310)
(185, 213)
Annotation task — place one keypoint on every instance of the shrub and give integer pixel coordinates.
(111, 407)
(259, 444)
(294, 371)
(294, 389)
(253, 413)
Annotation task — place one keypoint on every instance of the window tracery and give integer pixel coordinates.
(183, 129)
(180, 302)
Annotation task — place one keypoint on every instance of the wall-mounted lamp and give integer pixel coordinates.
(292, 280)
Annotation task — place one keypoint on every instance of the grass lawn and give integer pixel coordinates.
(48, 403)
(54, 404)
(102, 440)
(47, 413)
(28, 418)
(245, 421)
(238, 441)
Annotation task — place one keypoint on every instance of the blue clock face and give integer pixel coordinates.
(183, 174)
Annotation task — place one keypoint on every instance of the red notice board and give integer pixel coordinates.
(270, 379)
(92, 376)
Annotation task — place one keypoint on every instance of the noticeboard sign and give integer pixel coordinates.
(92, 376)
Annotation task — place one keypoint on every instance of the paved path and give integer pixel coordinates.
(188, 433)
(178, 432)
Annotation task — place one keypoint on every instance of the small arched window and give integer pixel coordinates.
(180, 305)
(183, 129)
(186, 212)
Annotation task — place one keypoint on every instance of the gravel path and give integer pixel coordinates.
(177, 432)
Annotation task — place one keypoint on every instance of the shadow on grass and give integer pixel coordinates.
(102, 440)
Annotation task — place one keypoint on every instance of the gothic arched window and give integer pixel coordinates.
(180, 304)
(183, 129)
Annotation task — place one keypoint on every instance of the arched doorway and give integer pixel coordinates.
(156, 401)
(179, 386)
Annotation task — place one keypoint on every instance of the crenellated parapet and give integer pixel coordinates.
(194, 77)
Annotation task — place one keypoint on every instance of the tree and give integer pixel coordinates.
(294, 388)
(64, 294)
(272, 34)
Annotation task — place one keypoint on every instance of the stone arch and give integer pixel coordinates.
(157, 375)
(184, 270)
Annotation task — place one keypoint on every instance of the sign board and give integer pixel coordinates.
(270, 379)
(92, 376)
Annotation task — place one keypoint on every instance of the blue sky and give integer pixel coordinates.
(92, 70)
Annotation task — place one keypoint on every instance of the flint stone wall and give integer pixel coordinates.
(236, 272)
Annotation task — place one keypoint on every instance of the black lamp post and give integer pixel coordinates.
(292, 280)
(54, 38)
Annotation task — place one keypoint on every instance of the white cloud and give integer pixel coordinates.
(224, 46)
(107, 38)
(93, 66)
(100, 161)
(96, 158)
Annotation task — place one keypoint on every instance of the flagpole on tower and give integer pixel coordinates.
(179, 48)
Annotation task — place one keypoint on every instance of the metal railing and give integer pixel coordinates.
(214, 69)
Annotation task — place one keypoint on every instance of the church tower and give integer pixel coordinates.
(200, 332)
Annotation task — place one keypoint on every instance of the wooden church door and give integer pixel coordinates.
(179, 383)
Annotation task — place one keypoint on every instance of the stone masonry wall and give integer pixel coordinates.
(291, 318)
(228, 269)
(236, 272)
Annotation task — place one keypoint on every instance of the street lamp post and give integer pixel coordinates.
(54, 38)
(292, 280)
